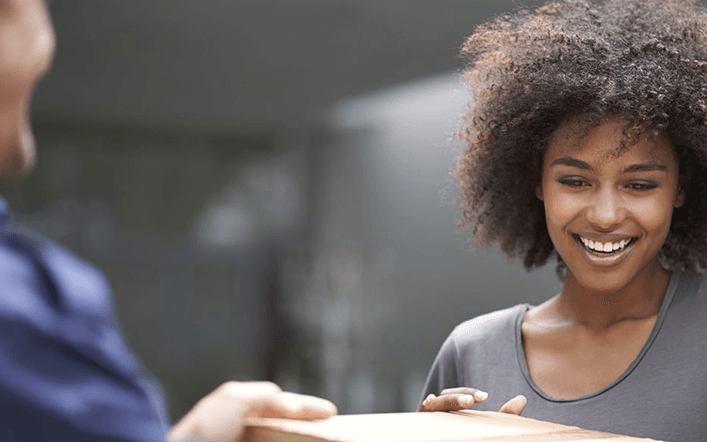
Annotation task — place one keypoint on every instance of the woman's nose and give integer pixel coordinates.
(605, 210)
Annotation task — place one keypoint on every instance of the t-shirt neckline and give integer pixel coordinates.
(520, 351)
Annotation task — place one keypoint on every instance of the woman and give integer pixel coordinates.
(587, 140)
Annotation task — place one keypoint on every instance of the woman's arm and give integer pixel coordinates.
(442, 391)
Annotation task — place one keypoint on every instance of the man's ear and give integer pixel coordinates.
(539, 191)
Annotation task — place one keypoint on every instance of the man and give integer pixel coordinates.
(65, 371)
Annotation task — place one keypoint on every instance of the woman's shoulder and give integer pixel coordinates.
(691, 285)
(499, 324)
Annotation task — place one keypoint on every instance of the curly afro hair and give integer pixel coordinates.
(642, 60)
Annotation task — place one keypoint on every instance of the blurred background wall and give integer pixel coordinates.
(266, 184)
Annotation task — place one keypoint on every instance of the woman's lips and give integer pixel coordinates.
(606, 258)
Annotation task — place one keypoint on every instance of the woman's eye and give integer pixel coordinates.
(573, 182)
(642, 186)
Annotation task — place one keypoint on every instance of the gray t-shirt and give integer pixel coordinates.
(661, 395)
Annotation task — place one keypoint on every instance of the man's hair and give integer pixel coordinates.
(642, 60)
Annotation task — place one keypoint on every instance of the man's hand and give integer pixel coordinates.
(220, 416)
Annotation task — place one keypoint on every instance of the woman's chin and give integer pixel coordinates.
(601, 280)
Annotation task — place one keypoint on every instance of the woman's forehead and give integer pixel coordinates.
(608, 139)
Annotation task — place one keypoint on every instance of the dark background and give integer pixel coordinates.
(266, 184)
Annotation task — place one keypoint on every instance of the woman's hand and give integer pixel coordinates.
(220, 415)
(454, 399)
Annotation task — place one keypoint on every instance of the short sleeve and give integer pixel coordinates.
(444, 372)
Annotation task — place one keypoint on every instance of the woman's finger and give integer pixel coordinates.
(427, 403)
(479, 396)
(515, 405)
(448, 402)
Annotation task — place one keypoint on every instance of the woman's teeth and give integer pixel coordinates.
(606, 247)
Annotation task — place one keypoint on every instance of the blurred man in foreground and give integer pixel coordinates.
(65, 371)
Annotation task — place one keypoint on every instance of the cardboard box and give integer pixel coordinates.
(460, 426)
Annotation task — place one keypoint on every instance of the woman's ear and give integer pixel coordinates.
(684, 180)
(539, 191)
(680, 200)
(683, 183)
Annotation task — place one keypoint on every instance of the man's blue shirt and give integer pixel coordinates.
(66, 373)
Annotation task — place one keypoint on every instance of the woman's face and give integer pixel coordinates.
(26, 51)
(606, 215)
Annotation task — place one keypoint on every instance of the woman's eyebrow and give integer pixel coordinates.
(567, 161)
(641, 167)
(645, 167)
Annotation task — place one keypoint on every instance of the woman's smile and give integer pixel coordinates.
(605, 253)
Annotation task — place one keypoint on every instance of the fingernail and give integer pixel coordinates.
(466, 400)
(481, 395)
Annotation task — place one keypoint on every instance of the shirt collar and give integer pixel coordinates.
(4, 213)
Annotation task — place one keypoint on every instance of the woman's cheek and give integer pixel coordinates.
(562, 209)
(653, 214)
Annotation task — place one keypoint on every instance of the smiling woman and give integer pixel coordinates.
(586, 140)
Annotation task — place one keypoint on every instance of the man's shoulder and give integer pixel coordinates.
(62, 277)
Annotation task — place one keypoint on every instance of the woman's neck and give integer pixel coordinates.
(640, 299)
